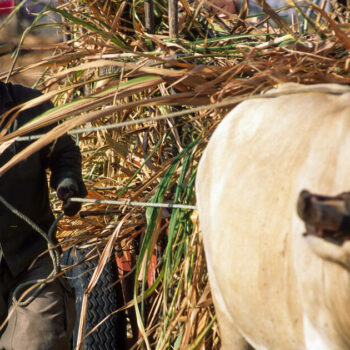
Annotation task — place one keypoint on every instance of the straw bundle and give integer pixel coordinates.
(111, 70)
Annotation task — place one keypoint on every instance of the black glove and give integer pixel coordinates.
(66, 189)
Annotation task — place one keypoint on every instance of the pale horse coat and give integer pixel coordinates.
(273, 287)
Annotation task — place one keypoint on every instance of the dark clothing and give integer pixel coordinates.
(47, 323)
(25, 185)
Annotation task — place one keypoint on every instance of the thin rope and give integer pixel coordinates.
(54, 254)
(133, 122)
(134, 204)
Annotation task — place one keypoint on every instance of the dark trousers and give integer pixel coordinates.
(47, 322)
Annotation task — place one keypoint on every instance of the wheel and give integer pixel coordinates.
(106, 297)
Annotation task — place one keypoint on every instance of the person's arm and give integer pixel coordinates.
(63, 158)
(66, 178)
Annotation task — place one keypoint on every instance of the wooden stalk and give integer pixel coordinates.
(149, 16)
(173, 18)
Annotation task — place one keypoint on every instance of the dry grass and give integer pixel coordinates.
(111, 61)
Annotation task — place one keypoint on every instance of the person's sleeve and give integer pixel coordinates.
(62, 157)
(64, 160)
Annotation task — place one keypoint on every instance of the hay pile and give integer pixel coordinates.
(109, 71)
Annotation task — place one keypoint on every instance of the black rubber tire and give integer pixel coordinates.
(105, 298)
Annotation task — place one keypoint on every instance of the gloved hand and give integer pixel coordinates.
(66, 189)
